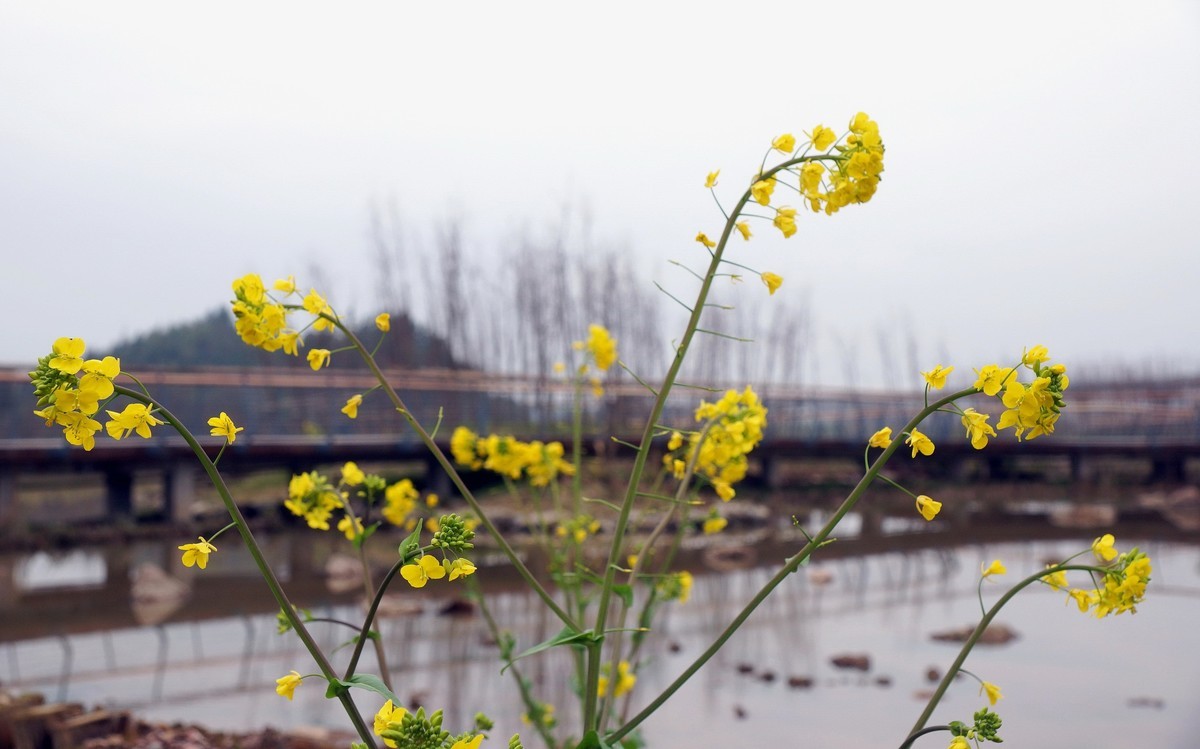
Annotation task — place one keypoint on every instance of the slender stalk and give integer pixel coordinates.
(532, 705)
(979, 630)
(639, 464)
(456, 479)
(788, 568)
(918, 734)
(259, 560)
(364, 633)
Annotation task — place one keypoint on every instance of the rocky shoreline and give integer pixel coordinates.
(27, 721)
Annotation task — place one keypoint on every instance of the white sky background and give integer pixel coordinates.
(1040, 184)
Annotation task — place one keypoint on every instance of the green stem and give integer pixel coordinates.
(918, 734)
(366, 625)
(259, 560)
(639, 464)
(532, 705)
(979, 630)
(456, 479)
(788, 568)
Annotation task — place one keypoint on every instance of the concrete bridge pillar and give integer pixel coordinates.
(179, 490)
(436, 479)
(772, 471)
(1168, 469)
(118, 492)
(1081, 468)
(8, 496)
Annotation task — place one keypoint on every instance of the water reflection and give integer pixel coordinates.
(214, 657)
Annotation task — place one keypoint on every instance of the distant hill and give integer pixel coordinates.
(211, 341)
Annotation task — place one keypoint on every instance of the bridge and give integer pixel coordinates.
(293, 422)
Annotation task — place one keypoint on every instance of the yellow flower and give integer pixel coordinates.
(762, 189)
(350, 526)
(958, 742)
(290, 343)
(318, 357)
(936, 377)
(810, 178)
(625, 681)
(388, 716)
(991, 378)
(744, 228)
(352, 404)
(773, 282)
(602, 346)
(1056, 580)
(223, 426)
(822, 137)
(472, 743)
(286, 285)
(785, 143)
(1103, 547)
(703, 239)
(711, 180)
(352, 475)
(1035, 355)
(68, 355)
(714, 524)
(315, 304)
(993, 692)
(197, 553)
(383, 321)
(685, 585)
(978, 430)
(928, 507)
(79, 429)
(285, 686)
(135, 418)
(920, 443)
(881, 439)
(431, 500)
(785, 221)
(427, 568)
(1082, 599)
(724, 490)
(995, 568)
(460, 568)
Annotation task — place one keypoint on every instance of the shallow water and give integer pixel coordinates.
(1070, 680)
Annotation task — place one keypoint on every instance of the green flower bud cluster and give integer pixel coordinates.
(453, 534)
(46, 380)
(419, 732)
(986, 727)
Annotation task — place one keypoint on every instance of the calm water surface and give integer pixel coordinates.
(69, 628)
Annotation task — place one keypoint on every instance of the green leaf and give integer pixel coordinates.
(567, 636)
(411, 544)
(592, 740)
(626, 594)
(370, 682)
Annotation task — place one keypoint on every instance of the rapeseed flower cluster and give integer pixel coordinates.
(539, 462)
(453, 536)
(69, 390)
(625, 680)
(1033, 409)
(578, 528)
(1124, 581)
(261, 321)
(676, 586)
(837, 172)
(600, 351)
(733, 427)
(312, 497)
(400, 728)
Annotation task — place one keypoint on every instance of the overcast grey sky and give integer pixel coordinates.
(1040, 184)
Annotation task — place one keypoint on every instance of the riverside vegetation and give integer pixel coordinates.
(606, 584)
